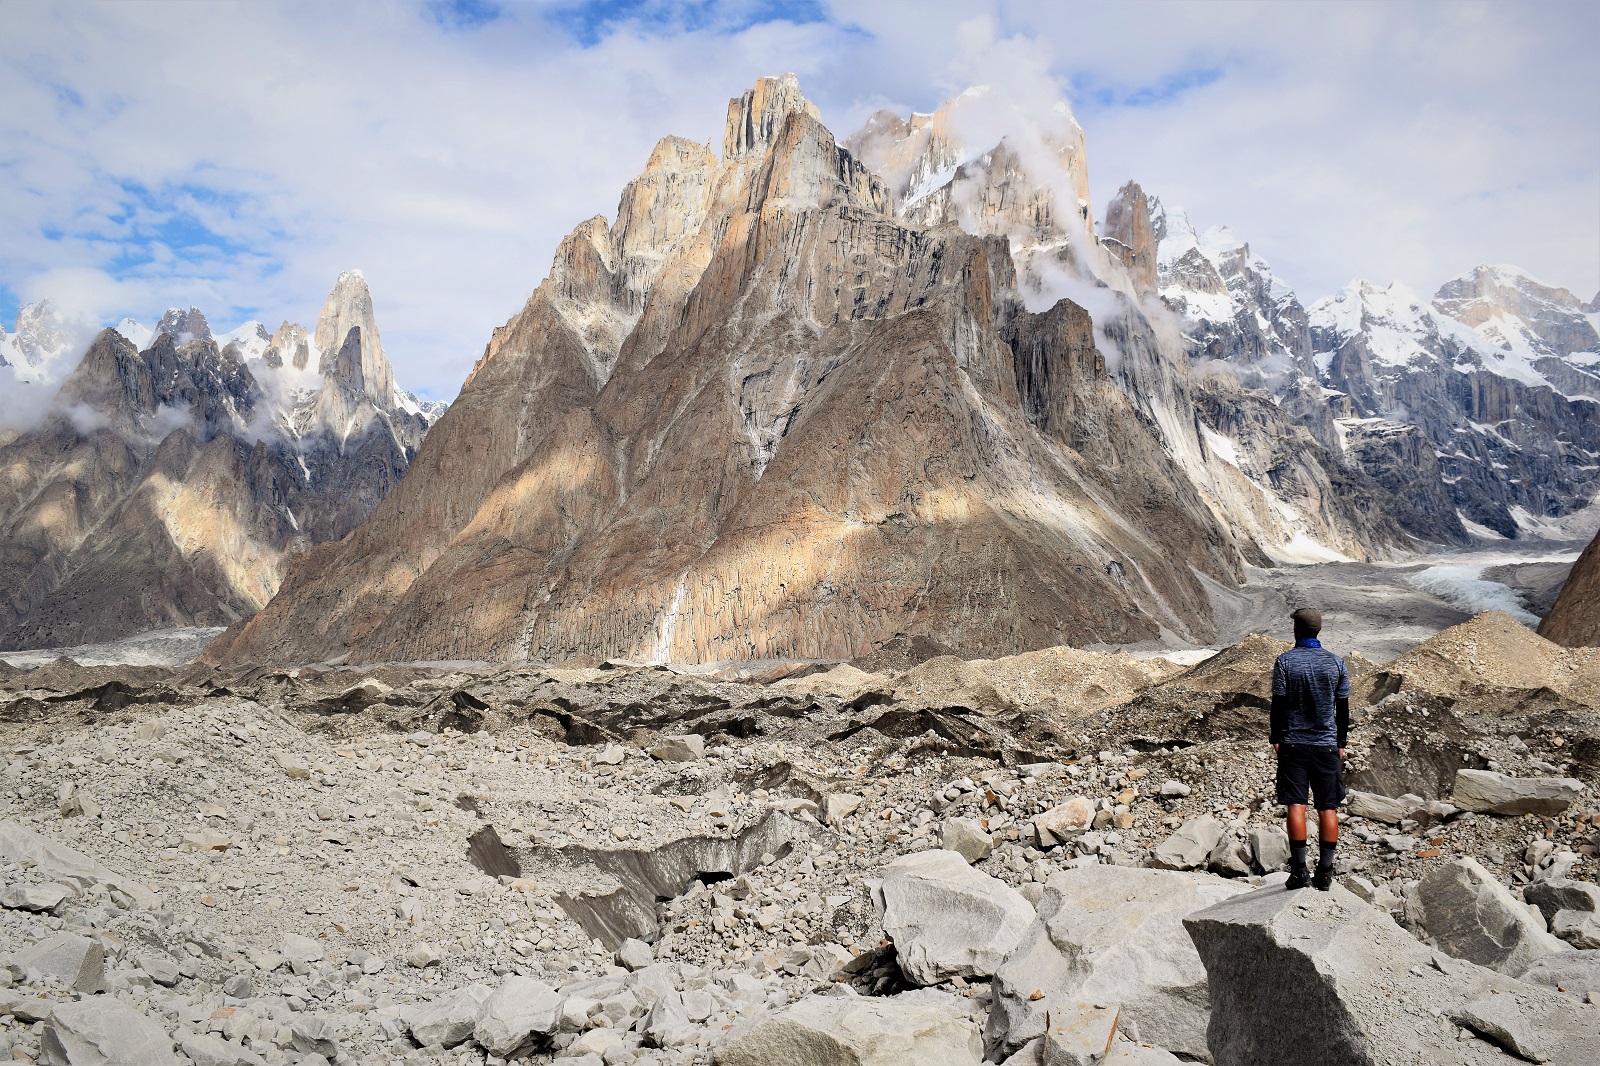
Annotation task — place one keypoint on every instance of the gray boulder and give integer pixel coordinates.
(76, 961)
(1463, 909)
(100, 1031)
(1230, 858)
(1376, 808)
(45, 897)
(947, 919)
(1079, 1034)
(450, 1019)
(966, 838)
(1498, 1019)
(23, 846)
(1269, 848)
(1487, 792)
(1110, 934)
(1581, 929)
(688, 747)
(515, 1013)
(1190, 846)
(1576, 973)
(1360, 991)
(924, 1028)
(1560, 894)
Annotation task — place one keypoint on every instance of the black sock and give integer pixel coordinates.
(1325, 854)
(1297, 852)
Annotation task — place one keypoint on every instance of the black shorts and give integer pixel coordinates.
(1306, 769)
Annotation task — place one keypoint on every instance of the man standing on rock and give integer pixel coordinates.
(1310, 722)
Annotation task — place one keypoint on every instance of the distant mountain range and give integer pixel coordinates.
(805, 395)
(167, 478)
(794, 399)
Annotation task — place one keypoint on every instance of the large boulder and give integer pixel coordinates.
(1487, 792)
(1190, 846)
(925, 1028)
(56, 861)
(1560, 894)
(517, 1012)
(1464, 910)
(76, 961)
(947, 919)
(1323, 979)
(1110, 934)
(100, 1031)
(450, 1019)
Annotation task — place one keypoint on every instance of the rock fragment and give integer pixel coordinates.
(517, 1012)
(101, 1031)
(46, 897)
(1560, 894)
(688, 747)
(1497, 1018)
(966, 838)
(947, 919)
(449, 1019)
(1488, 792)
(76, 961)
(1064, 821)
(924, 1027)
(1110, 934)
(1468, 913)
(837, 806)
(1190, 846)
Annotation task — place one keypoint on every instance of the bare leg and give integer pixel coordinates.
(1327, 825)
(1297, 821)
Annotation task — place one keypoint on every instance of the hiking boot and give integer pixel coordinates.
(1322, 880)
(1298, 878)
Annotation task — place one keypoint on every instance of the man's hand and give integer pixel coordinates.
(1341, 755)
(1274, 749)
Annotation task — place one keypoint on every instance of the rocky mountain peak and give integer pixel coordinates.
(1130, 236)
(43, 335)
(755, 118)
(184, 325)
(349, 307)
(289, 345)
(1511, 309)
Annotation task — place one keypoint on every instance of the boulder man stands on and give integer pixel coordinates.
(1310, 723)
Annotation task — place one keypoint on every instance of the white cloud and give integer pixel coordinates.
(1408, 141)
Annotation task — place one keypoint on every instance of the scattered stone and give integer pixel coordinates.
(1190, 846)
(1079, 1034)
(947, 919)
(1269, 848)
(449, 1019)
(423, 955)
(1229, 858)
(1467, 912)
(46, 897)
(1560, 894)
(924, 1028)
(837, 806)
(1064, 821)
(293, 766)
(635, 954)
(1487, 792)
(1360, 990)
(162, 970)
(966, 838)
(1498, 1019)
(1174, 790)
(518, 1010)
(687, 747)
(1110, 934)
(103, 1032)
(1581, 929)
(76, 961)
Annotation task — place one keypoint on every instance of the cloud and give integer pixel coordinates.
(238, 157)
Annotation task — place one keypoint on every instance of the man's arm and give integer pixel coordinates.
(1280, 706)
(1342, 717)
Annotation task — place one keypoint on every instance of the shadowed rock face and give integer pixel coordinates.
(167, 486)
(760, 415)
(1575, 618)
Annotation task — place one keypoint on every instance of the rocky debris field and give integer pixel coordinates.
(1060, 857)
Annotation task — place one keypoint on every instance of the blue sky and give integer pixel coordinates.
(238, 156)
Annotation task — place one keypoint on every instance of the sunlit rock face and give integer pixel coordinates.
(165, 485)
(1575, 618)
(801, 397)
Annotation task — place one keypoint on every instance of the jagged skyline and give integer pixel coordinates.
(131, 192)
